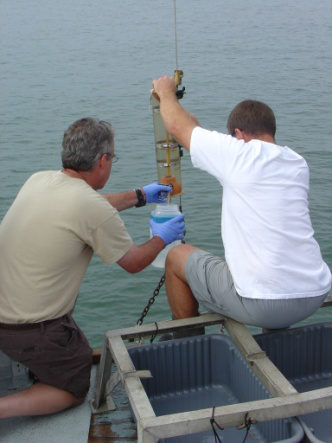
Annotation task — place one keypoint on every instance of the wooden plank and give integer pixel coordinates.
(113, 381)
(275, 382)
(112, 432)
(120, 354)
(144, 436)
(234, 415)
(216, 319)
(163, 327)
(139, 401)
(103, 375)
(327, 302)
(123, 361)
(96, 354)
(116, 426)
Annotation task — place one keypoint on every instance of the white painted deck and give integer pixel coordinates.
(70, 426)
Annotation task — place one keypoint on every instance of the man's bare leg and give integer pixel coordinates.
(38, 399)
(182, 302)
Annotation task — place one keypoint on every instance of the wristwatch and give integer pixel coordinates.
(140, 198)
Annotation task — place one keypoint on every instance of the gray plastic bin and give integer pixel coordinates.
(304, 356)
(202, 372)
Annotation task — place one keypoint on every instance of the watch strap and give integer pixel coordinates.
(140, 198)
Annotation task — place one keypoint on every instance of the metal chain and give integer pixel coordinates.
(151, 301)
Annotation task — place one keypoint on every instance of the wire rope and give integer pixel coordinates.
(176, 36)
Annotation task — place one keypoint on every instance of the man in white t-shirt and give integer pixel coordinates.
(47, 239)
(273, 274)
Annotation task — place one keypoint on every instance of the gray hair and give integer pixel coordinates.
(84, 142)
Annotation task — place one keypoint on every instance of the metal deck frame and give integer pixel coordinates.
(285, 401)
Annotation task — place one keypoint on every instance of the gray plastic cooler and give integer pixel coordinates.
(304, 356)
(202, 372)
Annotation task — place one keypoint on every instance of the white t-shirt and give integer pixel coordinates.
(266, 229)
(47, 239)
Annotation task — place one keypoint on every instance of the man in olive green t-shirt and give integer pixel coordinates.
(47, 239)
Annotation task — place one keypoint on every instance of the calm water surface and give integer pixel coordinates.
(64, 60)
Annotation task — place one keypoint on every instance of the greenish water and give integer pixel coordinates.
(64, 60)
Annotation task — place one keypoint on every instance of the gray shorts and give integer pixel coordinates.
(212, 285)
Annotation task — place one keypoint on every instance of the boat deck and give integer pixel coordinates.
(70, 426)
(115, 426)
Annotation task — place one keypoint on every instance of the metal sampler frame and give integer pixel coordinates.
(285, 401)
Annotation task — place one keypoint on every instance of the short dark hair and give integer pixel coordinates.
(253, 117)
(84, 142)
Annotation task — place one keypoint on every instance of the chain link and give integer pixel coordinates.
(151, 301)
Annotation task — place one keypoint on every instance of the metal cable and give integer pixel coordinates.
(176, 37)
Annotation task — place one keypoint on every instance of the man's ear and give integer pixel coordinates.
(242, 135)
(102, 160)
(238, 134)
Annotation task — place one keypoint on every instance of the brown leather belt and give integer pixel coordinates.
(14, 326)
(22, 326)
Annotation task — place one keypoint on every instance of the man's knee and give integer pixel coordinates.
(179, 254)
(78, 401)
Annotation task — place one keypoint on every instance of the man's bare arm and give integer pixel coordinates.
(178, 122)
(139, 257)
(123, 200)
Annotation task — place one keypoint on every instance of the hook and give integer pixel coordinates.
(247, 422)
(154, 335)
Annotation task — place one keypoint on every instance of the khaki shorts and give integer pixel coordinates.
(212, 284)
(56, 352)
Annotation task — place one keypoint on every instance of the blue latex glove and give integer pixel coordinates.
(156, 193)
(170, 230)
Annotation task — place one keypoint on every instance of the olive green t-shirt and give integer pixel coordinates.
(47, 239)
